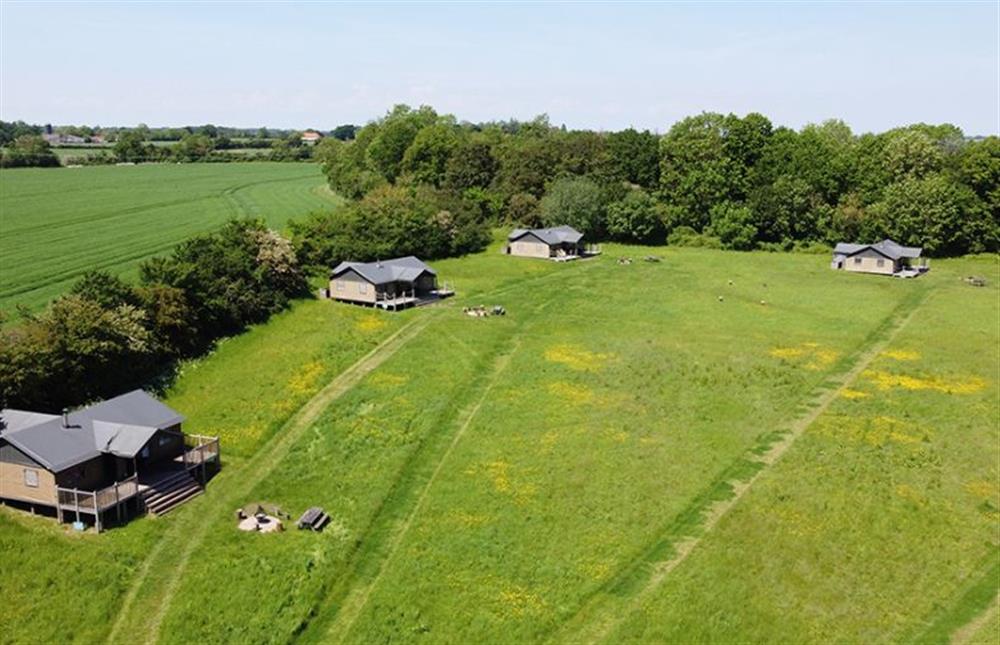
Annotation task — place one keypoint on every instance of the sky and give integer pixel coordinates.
(587, 65)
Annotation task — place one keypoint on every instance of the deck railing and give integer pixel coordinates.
(91, 501)
(199, 449)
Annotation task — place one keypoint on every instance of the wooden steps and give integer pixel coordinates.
(170, 492)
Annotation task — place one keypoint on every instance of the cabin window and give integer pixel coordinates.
(362, 287)
(857, 260)
(31, 478)
(163, 441)
(340, 285)
(880, 262)
(145, 452)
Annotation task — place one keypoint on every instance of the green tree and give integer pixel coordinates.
(576, 202)
(634, 157)
(911, 153)
(944, 217)
(194, 147)
(636, 218)
(695, 171)
(393, 135)
(733, 224)
(426, 159)
(131, 147)
(471, 165)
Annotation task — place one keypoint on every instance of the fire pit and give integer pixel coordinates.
(259, 521)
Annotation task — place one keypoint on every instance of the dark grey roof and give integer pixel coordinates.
(551, 236)
(119, 426)
(886, 247)
(405, 269)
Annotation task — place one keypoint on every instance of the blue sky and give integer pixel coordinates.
(596, 65)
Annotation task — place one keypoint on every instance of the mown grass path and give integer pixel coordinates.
(966, 632)
(603, 611)
(345, 599)
(148, 599)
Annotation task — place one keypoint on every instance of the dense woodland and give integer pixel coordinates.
(712, 179)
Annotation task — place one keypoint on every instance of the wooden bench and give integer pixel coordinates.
(314, 519)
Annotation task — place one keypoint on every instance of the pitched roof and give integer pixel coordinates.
(551, 236)
(886, 247)
(119, 426)
(405, 269)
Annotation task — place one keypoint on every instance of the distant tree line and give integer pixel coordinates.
(720, 180)
(22, 144)
(106, 336)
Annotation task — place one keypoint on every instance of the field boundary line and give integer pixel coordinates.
(264, 461)
(600, 628)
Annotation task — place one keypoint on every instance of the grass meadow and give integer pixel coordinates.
(508, 478)
(57, 223)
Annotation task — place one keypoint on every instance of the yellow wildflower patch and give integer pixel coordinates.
(576, 358)
(597, 570)
(793, 521)
(384, 379)
(848, 393)
(982, 489)
(370, 323)
(876, 432)
(305, 382)
(886, 381)
(901, 355)
(821, 359)
(911, 494)
(787, 352)
(818, 358)
(468, 520)
(572, 393)
(499, 473)
(517, 601)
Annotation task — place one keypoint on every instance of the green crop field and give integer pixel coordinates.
(718, 447)
(56, 223)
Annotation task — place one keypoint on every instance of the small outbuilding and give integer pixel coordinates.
(885, 257)
(389, 284)
(558, 243)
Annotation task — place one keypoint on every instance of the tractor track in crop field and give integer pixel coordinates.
(190, 529)
(342, 604)
(608, 606)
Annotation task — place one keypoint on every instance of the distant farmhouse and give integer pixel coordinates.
(123, 455)
(885, 257)
(311, 137)
(63, 139)
(389, 284)
(559, 243)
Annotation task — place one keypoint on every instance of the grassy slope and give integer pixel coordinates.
(57, 223)
(462, 512)
(882, 518)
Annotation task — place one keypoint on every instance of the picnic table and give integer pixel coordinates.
(314, 518)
